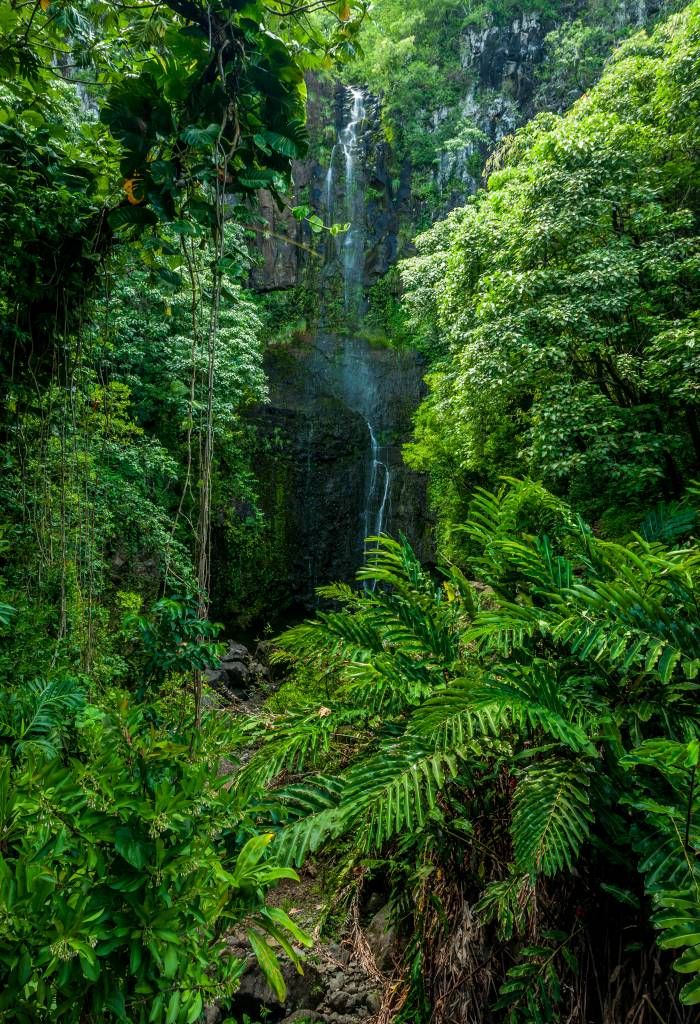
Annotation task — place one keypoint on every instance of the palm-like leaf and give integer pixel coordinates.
(551, 816)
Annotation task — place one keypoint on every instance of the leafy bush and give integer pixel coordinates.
(124, 868)
(567, 294)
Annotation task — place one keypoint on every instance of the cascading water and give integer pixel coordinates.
(352, 253)
(353, 241)
(328, 185)
(378, 495)
(330, 470)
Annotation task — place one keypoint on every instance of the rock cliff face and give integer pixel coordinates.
(321, 491)
(504, 63)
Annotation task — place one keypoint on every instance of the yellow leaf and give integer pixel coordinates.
(130, 184)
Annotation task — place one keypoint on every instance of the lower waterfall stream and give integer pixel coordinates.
(379, 488)
(331, 471)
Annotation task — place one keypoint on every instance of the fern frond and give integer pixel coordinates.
(47, 708)
(341, 592)
(450, 718)
(508, 903)
(415, 629)
(334, 638)
(296, 743)
(387, 687)
(394, 564)
(669, 522)
(314, 805)
(532, 991)
(491, 705)
(667, 837)
(507, 628)
(551, 816)
(393, 790)
(679, 923)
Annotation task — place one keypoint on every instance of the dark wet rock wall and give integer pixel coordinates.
(315, 463)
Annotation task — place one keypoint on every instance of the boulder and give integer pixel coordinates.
(236, 652)
(381, 938)
(238, 674)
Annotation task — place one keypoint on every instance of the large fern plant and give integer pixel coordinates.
(557, 673)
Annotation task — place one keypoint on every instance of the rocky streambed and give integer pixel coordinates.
(343, 982)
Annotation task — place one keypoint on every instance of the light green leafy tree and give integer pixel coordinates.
(566, 293)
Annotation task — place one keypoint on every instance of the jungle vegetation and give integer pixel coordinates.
(507, 743)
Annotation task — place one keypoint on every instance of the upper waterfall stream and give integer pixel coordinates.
(353, 242)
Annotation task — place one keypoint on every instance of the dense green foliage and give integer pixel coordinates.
(425, 60)
(126, 855)
(567, 293)
(506, 747)
(497, 748)
(538, 713)
(129, 352)
(410, 51)
(123, 870)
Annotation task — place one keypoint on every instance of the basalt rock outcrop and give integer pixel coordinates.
(316, 467)
(240, 672)
(503, 62)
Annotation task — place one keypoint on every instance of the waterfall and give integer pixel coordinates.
(351, 250)
(378, 491)
(354, 241)
(328, 185)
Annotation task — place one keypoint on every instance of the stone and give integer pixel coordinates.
(381, 938)
(303, 1017)
(215, 676)
(236, 652)
(373, 1001)
(238, 674)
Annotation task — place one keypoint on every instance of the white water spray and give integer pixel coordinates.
(328, 185)
(353, 243)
